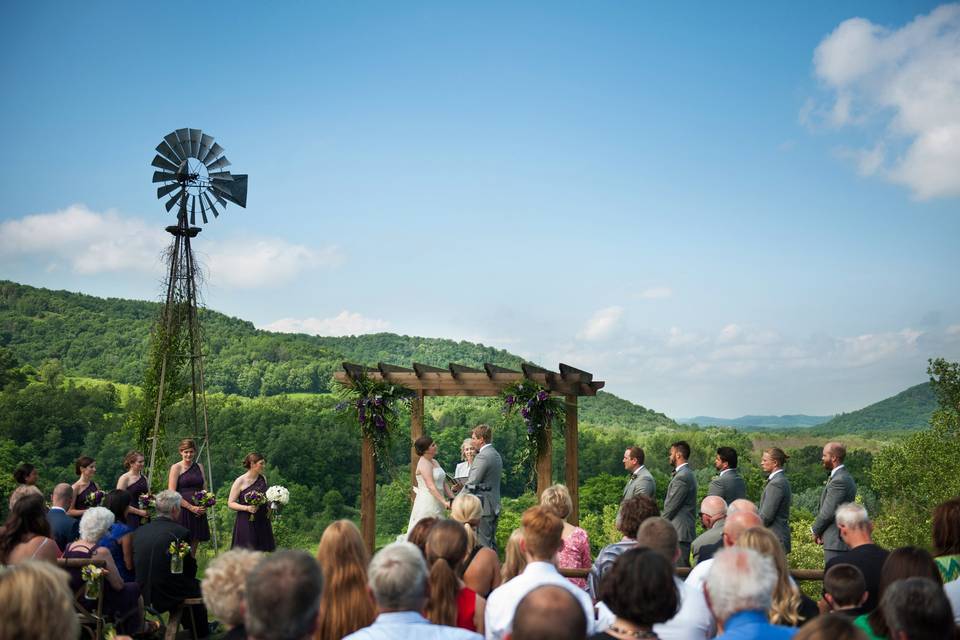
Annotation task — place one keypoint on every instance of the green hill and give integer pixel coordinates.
(909, 409)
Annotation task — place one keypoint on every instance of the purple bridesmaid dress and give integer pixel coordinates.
(257, 535)
(80, 504)
(136, 490)
(189, 482)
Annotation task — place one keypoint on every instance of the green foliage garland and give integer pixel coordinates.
(375, 403)
(538, 409)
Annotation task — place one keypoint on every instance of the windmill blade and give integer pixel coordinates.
(195, 135)
(172, 201)
(163, 176)
(203, 210)
(162, 163)
(219, 164)
(206, 141)
(164, 190)
(221, 176)
(174, 143)
(215, 152)
(210, 204)
(164, 149)
(238, 190)
(183, 148)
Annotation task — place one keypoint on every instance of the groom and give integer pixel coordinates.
(484, 481)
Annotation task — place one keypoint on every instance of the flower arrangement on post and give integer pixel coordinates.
(92, 577)
(178, 551)
(277, 496)
(375, 403)
(538, 409)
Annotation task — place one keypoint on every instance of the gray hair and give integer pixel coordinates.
(224, 583)
(852, 516)
(741, 504)
(740, 580)
(917, 607)
(283, 596)
(398, 577)
(167, 502)
(95, 522)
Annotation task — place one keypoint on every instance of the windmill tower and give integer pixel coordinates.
(192, 171)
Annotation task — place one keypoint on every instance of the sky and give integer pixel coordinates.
(717, 208)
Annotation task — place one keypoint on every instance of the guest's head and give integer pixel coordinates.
(785, 603)
(134, 460)
(639, 588)
(168, 504)
(917, 609)
(467, 510)
(37, 602)
(446, 551)
(398, 578)
(513, 560)
(844, 587)
(85, 467)
(542, 534)
(224, 584)
(418, 535)
(737, 523)
(902, 563)
(422, 444)
(22, 491)
(946, 528)
(633, 458)
(549, 613)
(94, 523)
(556, 499)
(741, 504)
(27, 517)
(659, 534)
(633, 511)
(62, 496)
(712, 510)
(739, 580)
(117, 501)
(283, 596)
(726, 458)
(345, 605)
(830, 628)
(833, 455)
(25, 473)
(854, 523)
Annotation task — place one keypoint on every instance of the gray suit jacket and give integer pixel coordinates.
(708, 542)
(484, 479)
(775, 508)
(641, 483)
(840, 489)
(729, 486)
(680, 504)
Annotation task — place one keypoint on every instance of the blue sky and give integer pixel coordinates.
(716, 209)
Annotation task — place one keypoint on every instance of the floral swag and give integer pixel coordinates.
(539, 410)
(376, 404)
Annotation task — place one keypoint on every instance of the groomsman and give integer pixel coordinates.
(680, 503)
(840, 488)
(484, 481)
(776, 498)
(729, 485)
(641, 481)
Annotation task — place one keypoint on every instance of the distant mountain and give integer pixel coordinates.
(909, 409)
(763, 422)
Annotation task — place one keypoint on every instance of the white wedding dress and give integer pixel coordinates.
(425, 505)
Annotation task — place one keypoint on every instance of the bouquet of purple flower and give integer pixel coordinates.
(255, 499)
(94, 498)
(146, 502)
(204, 498)
(539, 410)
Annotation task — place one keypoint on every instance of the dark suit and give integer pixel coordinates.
(151, 559)
(484, 481)
(729, 485)
(775, 507)
(839, 490)
(680, 508)
(64, 529)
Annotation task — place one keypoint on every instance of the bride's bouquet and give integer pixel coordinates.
(277, 496)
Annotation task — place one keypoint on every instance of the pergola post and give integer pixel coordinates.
(545, 461)
(368, 493)
(416, 430)
(571, 470)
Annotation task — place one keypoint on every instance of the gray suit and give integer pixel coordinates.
(641, 483)
(729, 485)
(680, 508)
(840, 489)
(484, 481)
(708, 542)
(775, 507)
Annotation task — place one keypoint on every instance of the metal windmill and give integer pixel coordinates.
(192, 171)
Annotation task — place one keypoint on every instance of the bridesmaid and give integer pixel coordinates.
(135, 484)
(86, 468)
(186, 478)
(257, 534)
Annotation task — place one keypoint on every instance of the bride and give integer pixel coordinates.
(431, 481)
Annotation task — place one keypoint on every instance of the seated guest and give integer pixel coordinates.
(398, 584)
(64, 529)
(26, 533)
(482, 572)
(946, 539)
(224, 585)
(640, 590)
(856, 531)
(633, 512)
(120, 599)
(513, 560)
(549, 613)
(162, 589)
(902, 563)
(542, 533)
(345, 605)
(788, 605)
(830, 628)
(451, 602)
(713, 513)
(737, 522)
(575, 553)
(36, 602)
(283, 596)
(917, 609)
(418, 535)
(118, 540)
(738, 589)
(845, 590)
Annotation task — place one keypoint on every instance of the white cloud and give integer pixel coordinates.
(953, 330)
(656, 293)
(251, 263)
(602, 323)
(345, 323)
(729, 333)
(903, 86)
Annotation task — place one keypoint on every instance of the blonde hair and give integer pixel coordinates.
(223, 584)
(345, 605)
(37, 602)
(785, 599)
(467, 508)
(514, 561)
(556, 499)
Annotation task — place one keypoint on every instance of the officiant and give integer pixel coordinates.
(468, 452)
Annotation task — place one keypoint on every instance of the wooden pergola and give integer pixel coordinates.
(459, 380)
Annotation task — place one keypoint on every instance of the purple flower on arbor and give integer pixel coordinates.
(378, 400)
(510, 400)
(543, 395)
(524, 412)
(362, 415)
(529, 429)
(380, 422)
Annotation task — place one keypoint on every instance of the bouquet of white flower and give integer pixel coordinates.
(276, 493)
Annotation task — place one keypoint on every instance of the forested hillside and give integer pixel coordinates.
(909, 409)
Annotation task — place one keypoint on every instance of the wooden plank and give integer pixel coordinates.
(436, 384)
(456, 370)
(572, 374)
(544, 463)
(423, 369)
(387, 369)
(531, 370)
(368, 494)
(572, 455)
(494, 371)
(416, 430)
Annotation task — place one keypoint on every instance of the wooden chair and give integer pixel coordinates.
(87, 618)
(176, 616)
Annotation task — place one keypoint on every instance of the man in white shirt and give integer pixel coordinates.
(541, 540)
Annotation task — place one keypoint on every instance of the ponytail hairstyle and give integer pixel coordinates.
(130, 458)
(421, 444)
(467, 509)
(20, 473)
(82, 463)
(446, 550)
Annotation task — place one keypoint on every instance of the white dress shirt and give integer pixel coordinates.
(692, 622)
(402, 625)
